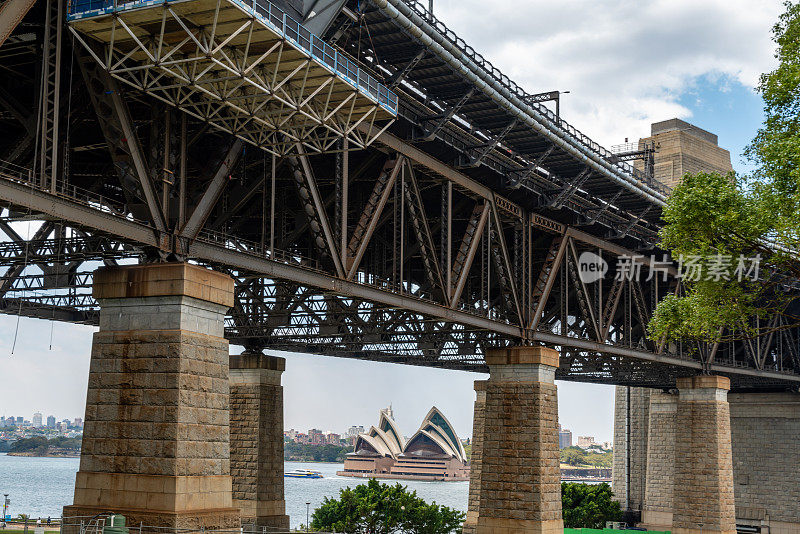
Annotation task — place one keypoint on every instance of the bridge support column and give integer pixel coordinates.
(156, 436)
(519, 480)
(478, 430)
(764, 427)
(657, 508)
(257, 439)
(631, 416)
(703, 484)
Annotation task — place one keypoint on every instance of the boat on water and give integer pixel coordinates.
(302, 473)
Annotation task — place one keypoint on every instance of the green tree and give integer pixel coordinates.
(574, 456)
(588, 505)
(376, 508)
(709, 215)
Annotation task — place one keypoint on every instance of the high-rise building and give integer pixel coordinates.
(388, 411)
(584, 442)
(564, 438)
(51, 421)
(37, 419)
(78, 423)
(20, 421)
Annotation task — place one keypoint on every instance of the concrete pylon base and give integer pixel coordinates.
(156, 437)
(519, 526)
(517, 488)
(703, 499)
(257, 439)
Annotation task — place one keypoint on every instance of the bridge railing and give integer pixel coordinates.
(518, 91)
(333, 58)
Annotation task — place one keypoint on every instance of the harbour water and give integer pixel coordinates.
(40, 487)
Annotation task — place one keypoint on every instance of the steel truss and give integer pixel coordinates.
(360, 241)
(242, 67)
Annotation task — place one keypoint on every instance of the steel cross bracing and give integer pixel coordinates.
(244, 67)
(393, 251)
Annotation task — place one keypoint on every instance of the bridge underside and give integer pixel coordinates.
(422, 239)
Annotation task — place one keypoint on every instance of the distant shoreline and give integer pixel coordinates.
(76, 454)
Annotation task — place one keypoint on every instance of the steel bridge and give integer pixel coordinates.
(377, 189)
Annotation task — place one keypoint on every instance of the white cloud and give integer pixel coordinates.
(626, 62)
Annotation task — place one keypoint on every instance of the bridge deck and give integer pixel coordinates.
(247, 67)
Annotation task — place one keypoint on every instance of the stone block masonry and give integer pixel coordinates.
(657, 508)
(703, 479)
(156, 434)
(519, 480)
(479, 420)
(257, 439)
(631, 416)
(766, 471)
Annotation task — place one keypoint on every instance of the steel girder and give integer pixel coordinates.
(388, 252)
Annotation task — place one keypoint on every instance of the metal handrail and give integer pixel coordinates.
(299, 36)
(512, 86)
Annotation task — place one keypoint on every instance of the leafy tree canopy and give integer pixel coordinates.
(588, 505)
(710, 217)
(377, 508)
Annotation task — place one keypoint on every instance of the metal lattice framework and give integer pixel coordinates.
(243, 67)
(455, 228)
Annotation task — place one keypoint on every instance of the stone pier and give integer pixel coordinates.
(156, 436)
(519, 480)
(703, 480)
(257, 439)
(657, 507)
(764, 427)
(478, 422)
(631, 407)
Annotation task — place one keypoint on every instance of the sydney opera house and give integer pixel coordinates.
(434, 452)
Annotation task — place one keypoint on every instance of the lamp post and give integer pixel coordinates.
(6, 502)
(308, 507)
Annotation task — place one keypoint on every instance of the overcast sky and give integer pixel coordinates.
(626, 64)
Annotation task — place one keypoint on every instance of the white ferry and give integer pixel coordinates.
(302, 473)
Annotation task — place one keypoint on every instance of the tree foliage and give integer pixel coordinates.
(377, 508)
(588, 505)
(710, 216)
(306, 452)
(577, 457)
(40, 444)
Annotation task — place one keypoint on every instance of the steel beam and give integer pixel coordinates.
(212, 193)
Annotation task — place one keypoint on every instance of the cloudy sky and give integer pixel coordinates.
(626, 63)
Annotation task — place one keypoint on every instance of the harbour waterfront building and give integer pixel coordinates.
(434, 452)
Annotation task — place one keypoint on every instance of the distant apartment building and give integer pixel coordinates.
(584, 442)
(354, 431)
(564, 438)
(316, 437)
(78, 423)
(332, 438)
(37, 419)
(51, 421)
(20, 421)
